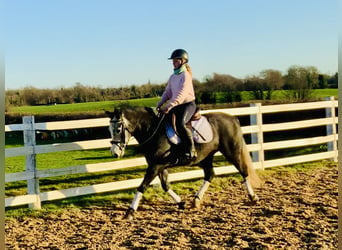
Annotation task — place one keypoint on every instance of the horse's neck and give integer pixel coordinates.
(142, 125)
(146, 129)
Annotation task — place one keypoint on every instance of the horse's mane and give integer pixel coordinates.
(146, 123)
(145, 116)
(141, 111)
(151, 111)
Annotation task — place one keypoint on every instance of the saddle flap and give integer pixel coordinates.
(171, 134)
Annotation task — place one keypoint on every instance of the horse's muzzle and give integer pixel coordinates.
(117, 151)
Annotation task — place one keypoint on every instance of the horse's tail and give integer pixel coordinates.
(253, 177)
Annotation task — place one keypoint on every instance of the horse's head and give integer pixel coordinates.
(119, 130)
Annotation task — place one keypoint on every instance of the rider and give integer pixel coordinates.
(179, 98)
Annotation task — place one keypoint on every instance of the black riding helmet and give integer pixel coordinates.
(180, 54)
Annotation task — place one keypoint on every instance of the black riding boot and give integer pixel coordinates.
(190, 150)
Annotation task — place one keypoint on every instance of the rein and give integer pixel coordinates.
(154, 132)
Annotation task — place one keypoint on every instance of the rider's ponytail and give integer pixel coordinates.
(188, 68)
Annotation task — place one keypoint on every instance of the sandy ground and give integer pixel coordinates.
(295, 211)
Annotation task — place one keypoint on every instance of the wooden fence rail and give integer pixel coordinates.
(257, 147)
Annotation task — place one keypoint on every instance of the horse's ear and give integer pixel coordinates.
(150, 111)
(110, 114)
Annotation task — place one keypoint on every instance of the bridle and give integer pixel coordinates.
(119, 138)
(118, 133)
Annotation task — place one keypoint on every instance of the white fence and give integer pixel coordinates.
(258, 147)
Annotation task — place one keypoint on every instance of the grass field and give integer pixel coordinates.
(279, 95)
(82, 107)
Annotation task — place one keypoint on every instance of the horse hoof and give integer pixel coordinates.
(197, 203)
(129, 214)
(181, 205)
(254, 198)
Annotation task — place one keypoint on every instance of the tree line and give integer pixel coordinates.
(218, 88)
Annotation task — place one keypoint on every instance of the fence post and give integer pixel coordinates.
(331, 128)
(257, 138)
(31, 166)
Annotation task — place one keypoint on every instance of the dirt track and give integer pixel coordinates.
(296, 211)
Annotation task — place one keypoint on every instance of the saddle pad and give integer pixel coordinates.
(201, 130)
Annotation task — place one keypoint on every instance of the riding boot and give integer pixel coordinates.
(190, 150)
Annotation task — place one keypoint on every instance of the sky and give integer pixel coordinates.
(109, 43)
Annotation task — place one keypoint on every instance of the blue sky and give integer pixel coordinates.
(53, 44)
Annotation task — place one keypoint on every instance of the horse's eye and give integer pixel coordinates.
(117, 127)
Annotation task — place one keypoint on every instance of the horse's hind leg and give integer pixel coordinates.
(243, 162)
(252, 179)
(252, 196)
(163, 176)
(207, 166)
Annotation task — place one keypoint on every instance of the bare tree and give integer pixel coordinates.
(300, 81)
(256, 86)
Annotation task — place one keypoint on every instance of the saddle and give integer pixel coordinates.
(201, 129)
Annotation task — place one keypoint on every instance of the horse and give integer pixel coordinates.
(148, 128)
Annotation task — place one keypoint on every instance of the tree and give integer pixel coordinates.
(312, 77)
(322, 81)
(220, 88)
(256, 86)
(272, 80)
(333, 81)
(31, 96)
(65, 95)
(301, 81)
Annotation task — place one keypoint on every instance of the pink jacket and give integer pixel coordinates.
(179, 90)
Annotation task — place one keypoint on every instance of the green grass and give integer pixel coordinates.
(74, 158)
(282, 95)
(317, 94)
(92, 107)
(82, 107)
(322, 93)
(65, 159)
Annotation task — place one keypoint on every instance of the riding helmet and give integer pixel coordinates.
(180, 54)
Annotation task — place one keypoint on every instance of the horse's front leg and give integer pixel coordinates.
(151, 173)
(163, 176)
(208, 176)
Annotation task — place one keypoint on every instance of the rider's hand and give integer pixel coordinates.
(159, 111)
(166, 109)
